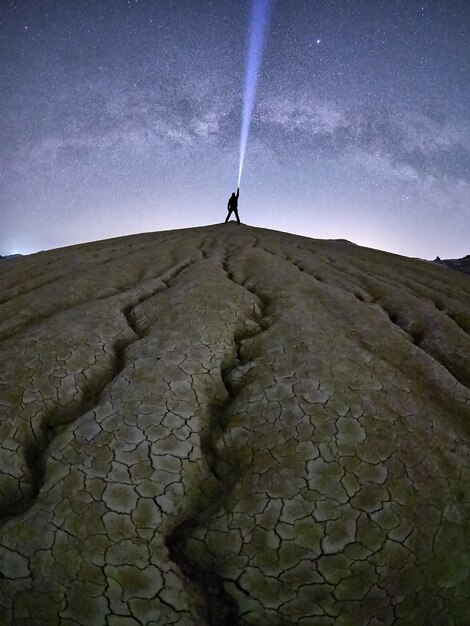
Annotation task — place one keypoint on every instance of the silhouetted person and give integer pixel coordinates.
(232, 206)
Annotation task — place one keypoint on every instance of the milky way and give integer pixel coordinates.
(121, 117)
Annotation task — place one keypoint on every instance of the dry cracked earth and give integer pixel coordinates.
(229, 425)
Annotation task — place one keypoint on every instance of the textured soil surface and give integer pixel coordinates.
(229, 425)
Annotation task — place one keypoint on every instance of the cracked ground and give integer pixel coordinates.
(230, 425)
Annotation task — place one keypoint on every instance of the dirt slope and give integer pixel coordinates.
(229, 425)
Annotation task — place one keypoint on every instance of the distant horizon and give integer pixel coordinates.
(148, 232)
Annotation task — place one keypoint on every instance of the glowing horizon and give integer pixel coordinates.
(257, 34)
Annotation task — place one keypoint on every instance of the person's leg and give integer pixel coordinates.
(236, 215)
(228, 216)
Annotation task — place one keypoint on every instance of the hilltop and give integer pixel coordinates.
(231, 425)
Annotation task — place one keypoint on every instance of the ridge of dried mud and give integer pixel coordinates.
(230, 425)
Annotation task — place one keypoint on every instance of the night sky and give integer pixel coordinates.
(123, 116)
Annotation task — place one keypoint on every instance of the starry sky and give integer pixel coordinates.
(123, 116)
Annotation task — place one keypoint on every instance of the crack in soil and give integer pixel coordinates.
(53, 424)
(414, 335)
(221, 608)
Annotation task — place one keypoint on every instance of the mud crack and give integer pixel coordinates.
(221, 609)
(52, 425)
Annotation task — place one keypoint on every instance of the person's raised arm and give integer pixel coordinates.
(238, 192)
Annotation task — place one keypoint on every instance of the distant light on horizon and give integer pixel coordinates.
(13, 251)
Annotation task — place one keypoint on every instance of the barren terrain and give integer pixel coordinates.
(230, 425)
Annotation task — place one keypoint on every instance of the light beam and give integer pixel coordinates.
(258, 25)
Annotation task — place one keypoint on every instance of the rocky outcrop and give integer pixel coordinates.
(463, 264)
(229, 425)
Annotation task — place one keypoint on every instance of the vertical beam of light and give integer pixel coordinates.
(258, 25)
